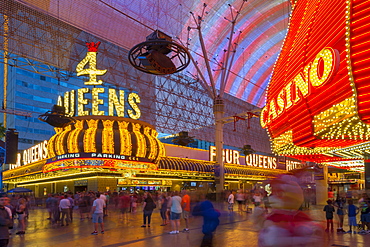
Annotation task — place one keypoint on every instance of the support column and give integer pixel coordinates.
(218, 111)
(367, 174)
(322, 188)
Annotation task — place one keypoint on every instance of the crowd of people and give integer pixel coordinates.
(62, 207)
(246, 200)
(344, 205)
(172, 206)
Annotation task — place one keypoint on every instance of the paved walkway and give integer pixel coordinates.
(235, 230)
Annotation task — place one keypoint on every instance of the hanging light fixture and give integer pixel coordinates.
(56, 117)
(159, 55)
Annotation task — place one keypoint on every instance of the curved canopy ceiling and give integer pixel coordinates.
(259, 32)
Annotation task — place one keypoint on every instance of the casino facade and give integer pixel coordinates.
(107, 148)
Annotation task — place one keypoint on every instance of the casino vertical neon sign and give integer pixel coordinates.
(315, 74)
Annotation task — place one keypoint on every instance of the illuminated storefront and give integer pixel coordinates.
(108, 148)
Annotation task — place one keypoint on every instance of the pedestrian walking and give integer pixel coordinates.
(231, 200)
(210, 220)
(175, 212)
(163, 210)
(72, 204)
(64, 207)
(185, 204)
(352, 211)
(21, 212)
(98, 214)
(148, 207)
(240, 198)
(329, 209)
(124, 204)
(339, 204)
(5, 220)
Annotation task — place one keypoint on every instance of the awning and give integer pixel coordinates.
(189, 165)
(181, 164)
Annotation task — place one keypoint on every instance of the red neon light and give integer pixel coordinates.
(316, 24)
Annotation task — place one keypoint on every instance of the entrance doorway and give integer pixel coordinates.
(80, 188)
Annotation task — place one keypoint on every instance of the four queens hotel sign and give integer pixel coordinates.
(318, 96)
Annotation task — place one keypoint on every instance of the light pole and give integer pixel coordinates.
(218, 102)
(142, 58)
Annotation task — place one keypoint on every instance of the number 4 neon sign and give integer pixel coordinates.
(90, 59)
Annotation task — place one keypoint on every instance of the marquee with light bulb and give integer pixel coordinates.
(317, 98)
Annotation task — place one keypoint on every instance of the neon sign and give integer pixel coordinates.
(117, 99)
(90, 59)
(261, 161)
(33, 154)
(318, 95)
(229, 156)
(315, 74)
(119, 102)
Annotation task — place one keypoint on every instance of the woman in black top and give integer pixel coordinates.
(148, 207)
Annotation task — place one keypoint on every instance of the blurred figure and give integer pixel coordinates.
(210, 219)
(133, 203)
(257, 198)
(72, 204)
(330, 195)
(352, 212)
(340, 203)
(48, 205)
(54, 205)
(365, 214)
(124, 204)
(21, 212)
(104, 198)
(163, 210)
(185, 204)
(231, 200)
(240, 198)
(329, 209)
(5, 221)
(286, 226)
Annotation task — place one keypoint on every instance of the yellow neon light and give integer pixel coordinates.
(108, 137)
(126, 143)
(72, 142)
(82, 102)
(92, 71)
(133, 100)
(90, 135)
(114, 103)
(96, 101)
(141, 143)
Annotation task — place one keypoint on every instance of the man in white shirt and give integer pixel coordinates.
(175, 212)
(97, 214)
(230, 200)
(64, 206)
